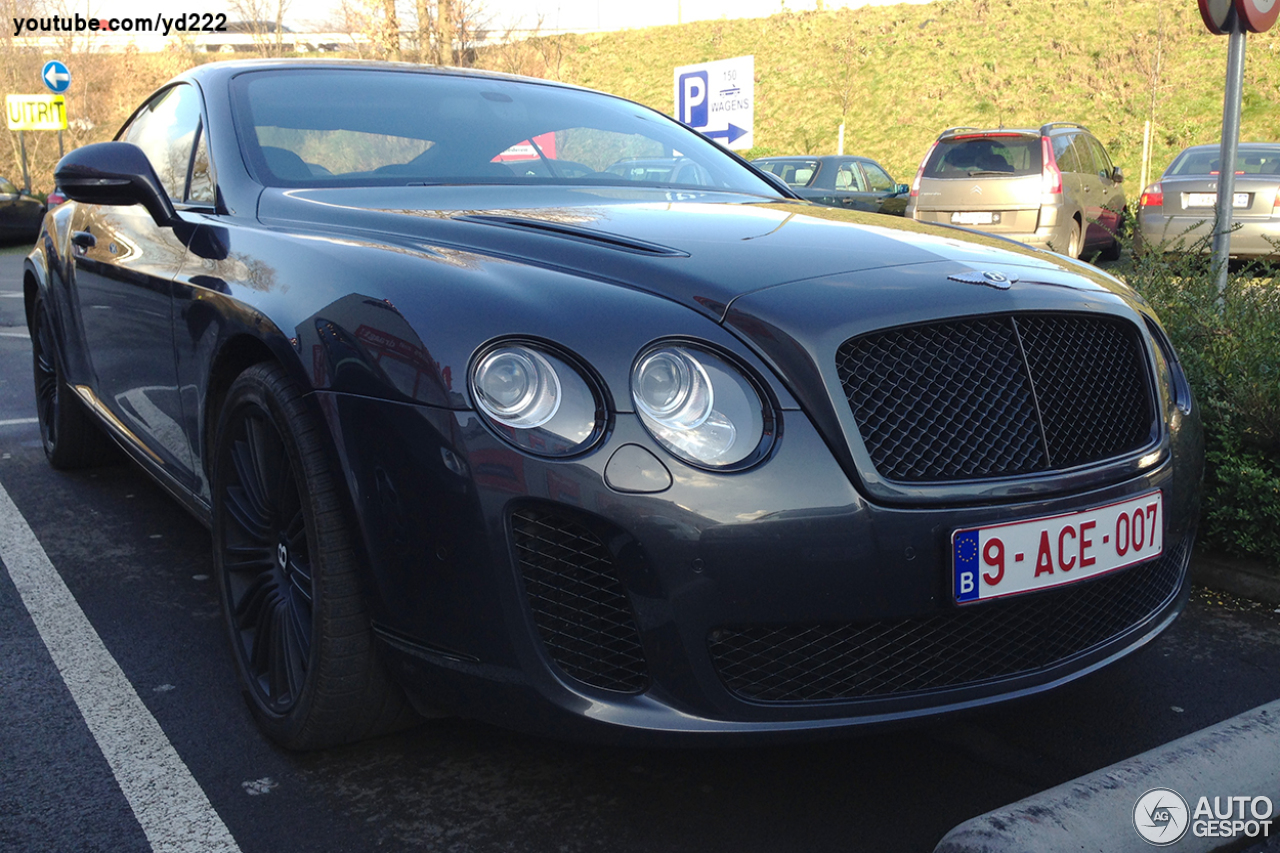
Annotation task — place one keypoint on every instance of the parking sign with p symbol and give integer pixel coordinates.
(693, 98)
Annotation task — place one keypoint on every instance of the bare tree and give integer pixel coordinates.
(388, 34)
(264, 20)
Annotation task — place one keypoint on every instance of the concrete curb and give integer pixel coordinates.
(1237, 757)
(1245, 578)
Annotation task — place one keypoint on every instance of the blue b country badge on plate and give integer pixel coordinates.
(965, 548)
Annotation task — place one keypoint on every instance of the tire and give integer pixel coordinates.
(1112, 252)
(288, 573)
(1074, 241)
(70, 437)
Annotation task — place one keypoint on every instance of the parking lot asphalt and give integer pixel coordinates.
(139, 570)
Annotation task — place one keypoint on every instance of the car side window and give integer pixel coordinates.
(1064, 154)
(848, 179)
(165, 129)
(1100, 159)
(1079, 152)
(878, 179)
(201, 186)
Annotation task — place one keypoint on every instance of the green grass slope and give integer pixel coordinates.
(910, 71)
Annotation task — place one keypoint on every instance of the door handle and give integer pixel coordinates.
(84, 239)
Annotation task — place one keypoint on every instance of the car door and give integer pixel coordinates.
(122, 288)
(1110, 193)
(882, 190)
(1080, 186)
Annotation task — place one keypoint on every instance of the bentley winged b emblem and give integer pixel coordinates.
(998, 280)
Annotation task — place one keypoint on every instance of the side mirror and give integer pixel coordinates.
(115, 173)
(901, 189)
(1117, 175)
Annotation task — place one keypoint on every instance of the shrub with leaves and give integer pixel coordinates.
(1229, 344)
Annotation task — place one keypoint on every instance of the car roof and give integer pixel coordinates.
(1042, 130)
(805, 158)
(223, 71)
(1214, 146)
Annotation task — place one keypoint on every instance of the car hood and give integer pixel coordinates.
(705, 250)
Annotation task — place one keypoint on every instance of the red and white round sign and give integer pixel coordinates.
(1216, 14)
(1258, 16)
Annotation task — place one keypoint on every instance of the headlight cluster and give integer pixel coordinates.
(537, 400)
(698, 405)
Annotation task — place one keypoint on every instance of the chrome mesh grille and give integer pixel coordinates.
(997, 396)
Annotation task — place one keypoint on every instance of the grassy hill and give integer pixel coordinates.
(913, 70)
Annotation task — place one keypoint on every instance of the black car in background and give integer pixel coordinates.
(855, 183)
(636, 456)
(20, 214)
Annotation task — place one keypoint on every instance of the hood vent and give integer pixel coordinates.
(573, 232)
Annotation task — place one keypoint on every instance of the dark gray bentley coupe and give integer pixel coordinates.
(482, 425)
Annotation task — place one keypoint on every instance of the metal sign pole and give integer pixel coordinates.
(1227, 155)
(26, 176)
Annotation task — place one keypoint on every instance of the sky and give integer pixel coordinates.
(556, 14)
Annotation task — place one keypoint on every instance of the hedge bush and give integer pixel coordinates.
(1229, 344)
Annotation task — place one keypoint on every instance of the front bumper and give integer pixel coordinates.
(529, 593)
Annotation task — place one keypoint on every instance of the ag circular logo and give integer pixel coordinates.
(1161, 816)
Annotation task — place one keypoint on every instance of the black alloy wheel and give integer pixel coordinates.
(267, 562)
(70, 439)
(288, 573)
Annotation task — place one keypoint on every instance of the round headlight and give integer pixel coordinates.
(673, 388)
(537, 400)
(699, 406)
(517, 387)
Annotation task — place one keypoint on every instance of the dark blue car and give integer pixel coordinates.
(632, 456)
(854, 183)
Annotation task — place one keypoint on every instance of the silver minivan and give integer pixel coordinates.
(1054, 187)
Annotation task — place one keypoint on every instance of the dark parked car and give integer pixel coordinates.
(583, 454)
(857, 183)
(20, 213)
(1176, 213)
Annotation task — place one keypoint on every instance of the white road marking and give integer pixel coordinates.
(169, 804)
(18, 421)
(23, 335)
(10, 295)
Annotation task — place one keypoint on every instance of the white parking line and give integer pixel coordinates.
(14, 335)
(17, 421)
(169, 804)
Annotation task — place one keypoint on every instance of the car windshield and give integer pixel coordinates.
(970, 156)
(348, 127)
(1250, 160)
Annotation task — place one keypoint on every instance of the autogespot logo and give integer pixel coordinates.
(1160, 816)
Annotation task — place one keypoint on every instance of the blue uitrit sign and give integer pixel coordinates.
(56, 76)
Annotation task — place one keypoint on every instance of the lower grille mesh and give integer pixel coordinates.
(580, 607)
(977, 643)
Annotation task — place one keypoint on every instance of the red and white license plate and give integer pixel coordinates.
(1024, 556)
